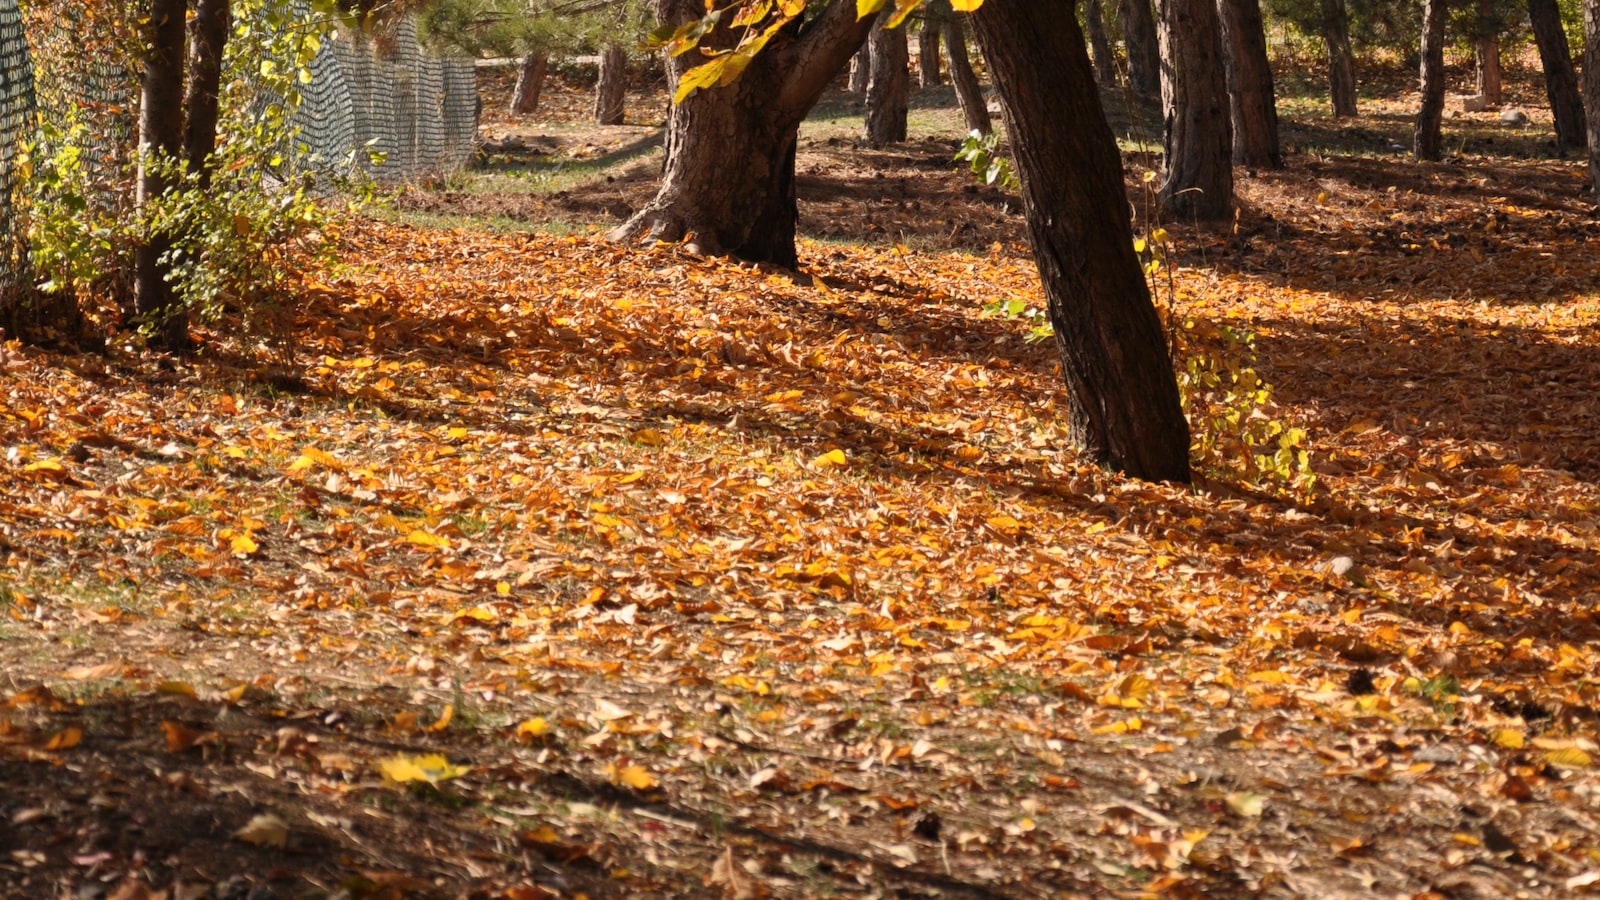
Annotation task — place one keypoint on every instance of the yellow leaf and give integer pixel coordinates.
(965, 5)
(833, 458)
(443, 721)
(636, 777)
(243, 544)
(1245, 805)
(1569, 758)
(176, 688)
(866, 8)
(432, 769)
(1509, 738)
(424, 539)
(533, 728)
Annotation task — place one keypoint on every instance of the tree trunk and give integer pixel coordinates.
(928, 46)
(889, 85)
(611, 93)
(1123, 408)
(860, 68)
(1591, 85)
(1491, 79)
(1105, 63)
(974, 109)
(1560, 78)
(1144, 47)
(1194, 98)
(160, 143)
(1428, 140)
(1252, 104)
(728, 185)
(208, 38)
(1341, 58)
(530, 83)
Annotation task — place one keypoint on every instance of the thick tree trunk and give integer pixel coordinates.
(612, 91)
(1560, 78)
(1341, 58)
(1591, 85)
(1144, 47)
(1428, 141)
(1252, 103)
(1123, 409)
(860, 69)
(889, 85)
(928, 68)
(160, 144)
(728, 182)
(1194, 98)
(530, 83)
(1105, 62)
(209, 37)
(1491, 78)
(974, 109)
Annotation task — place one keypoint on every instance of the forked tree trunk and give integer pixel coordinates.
(160, 143)
(728, 180)
(1198, 138)
(1123, 408)
(1591, 85)
(1252, 103)
(969, 94)
(209, 37)
(1560, 78)
(1341, 58)
(860, 69)
(928, 68)
(1491, 79)
(1105, 63)
(888, 86)
(530, 83)
(1428, 140)
(612, 91)
(1144, 47)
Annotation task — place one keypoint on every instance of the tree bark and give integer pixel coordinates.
(888, 85)
(1194, 97)
(1560, 78)
(1144, 47)
(1591, 86)
(612, 91)
(1491, 78)
(928, 68)
(974, 108)
(1341, 58)
(728, 182)
(530, 83)
(1428, 140)
(208, 38)
(1123, 409)
(160, 144)
(1105, 63)
(1252, 103)
(860, 69)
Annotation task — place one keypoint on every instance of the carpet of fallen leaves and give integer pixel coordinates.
(555, 568)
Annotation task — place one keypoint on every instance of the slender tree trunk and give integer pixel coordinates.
(728, 184)
(1123, 408)
(209, 37)
(1105, 63)
(889, 86)
(1194, 98)
(160, 143)
(1591, 85)
(1429, 141)
(530, 83)
(1560, 78)
(1491, 79)
(974, 109)
(860, 70)
(1252, 103)
(928, 68)
(612, 91)
(1144, 47)
(1341, 58)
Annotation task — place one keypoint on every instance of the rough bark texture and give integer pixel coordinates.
(1560, 78)
(928, 68)
(1428, 141)
(530, 83)
(1252, 102)
(1105, 62)
(160, 136)
(974, 109)
(888, 85)
(1144, 47)
(728, 179)
(1486, 50)
(1341, 58)
(208, 38)
(1591, 85)
(1123, 409)
(611, 92)
(860, 68)
(1194, 97)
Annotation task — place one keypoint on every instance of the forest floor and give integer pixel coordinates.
(554, 568)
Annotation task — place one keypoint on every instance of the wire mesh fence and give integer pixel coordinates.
(16, 112)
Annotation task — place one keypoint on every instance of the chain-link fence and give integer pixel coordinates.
(16, 114)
